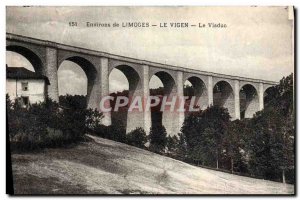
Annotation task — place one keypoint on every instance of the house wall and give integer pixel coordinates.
(35, 92)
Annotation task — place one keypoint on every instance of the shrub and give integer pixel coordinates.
(73, 101)
(93, 120)
(101, 131)
(137, 138)
(73, 123)
(26, 132)
(172, 145)
(47, 125)
(116, 133)
(158, 139)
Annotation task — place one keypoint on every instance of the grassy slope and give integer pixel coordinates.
(107, 167)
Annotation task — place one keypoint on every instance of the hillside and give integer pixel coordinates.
(103, 166)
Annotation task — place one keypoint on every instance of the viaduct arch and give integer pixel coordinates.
(249, 102)
(223, 96)
(241, 96)
(200, 91)
(89, 70)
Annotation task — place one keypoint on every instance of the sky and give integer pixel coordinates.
(257, 42)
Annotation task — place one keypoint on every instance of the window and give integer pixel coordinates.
(25, 86)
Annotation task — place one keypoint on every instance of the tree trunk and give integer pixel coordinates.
(283, 176)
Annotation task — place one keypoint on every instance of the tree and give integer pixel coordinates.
(73, 101)
(116, 132)
(189, 91)
(158, 139)
(137, 137)
(209, 147)
(265, 143)
(271, 141)
(177, 147)
(93, 119)
(204, 131)
(286, 104)
(234, 143)
(172, 145)
(282, 96)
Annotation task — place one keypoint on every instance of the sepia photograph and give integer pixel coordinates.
(150, 100)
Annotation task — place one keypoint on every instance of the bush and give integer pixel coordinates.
(177, 147)
(101, 131)
(93, 120)
(73, 101)
(48, 125)
(158, 139)
(172, 145)
(116, 133)
(26, 132)
(137, 138)
(27, 127)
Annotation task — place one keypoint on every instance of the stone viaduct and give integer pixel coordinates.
(238, 94)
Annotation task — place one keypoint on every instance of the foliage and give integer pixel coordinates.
(93, 119)
(172, 142)
(47, 124)
(158, 139)
(137, 138)
(73, 101)
(281, 97)
(262, 146)
(271, 142)
(115, 132)
(172, 145)
(234, 144)
(188, 91)
(264, 141)
(27, 127)
(181, 149)
(204, 131)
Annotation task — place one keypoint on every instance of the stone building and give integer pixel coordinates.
(26, 86)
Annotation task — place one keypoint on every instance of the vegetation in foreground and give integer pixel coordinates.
(262, 146)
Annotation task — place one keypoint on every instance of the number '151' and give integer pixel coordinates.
(72, 23)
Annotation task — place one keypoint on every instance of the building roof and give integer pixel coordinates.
(23, 73)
